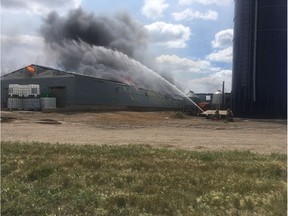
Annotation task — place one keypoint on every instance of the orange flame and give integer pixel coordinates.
(31, 69)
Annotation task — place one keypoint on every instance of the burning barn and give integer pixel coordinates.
(78, 91)
(108, 64)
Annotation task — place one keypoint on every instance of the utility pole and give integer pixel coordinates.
(223, 96)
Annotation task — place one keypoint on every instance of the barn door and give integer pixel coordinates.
(60, 94)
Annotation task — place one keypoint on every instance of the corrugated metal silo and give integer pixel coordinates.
(259, 85)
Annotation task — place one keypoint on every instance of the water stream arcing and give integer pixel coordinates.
(101, 62)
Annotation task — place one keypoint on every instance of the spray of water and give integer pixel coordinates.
(101, 62)
(104, 47)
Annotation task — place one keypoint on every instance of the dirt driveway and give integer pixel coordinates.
(161, 129)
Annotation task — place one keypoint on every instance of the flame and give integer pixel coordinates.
(31, 69)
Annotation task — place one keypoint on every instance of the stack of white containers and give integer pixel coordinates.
(15, 103)
(15, 90)
(24, 97)
(31, 97)
(48, 103)
(31, 90)
(14, 99)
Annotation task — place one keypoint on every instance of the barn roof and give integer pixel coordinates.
(34, 71)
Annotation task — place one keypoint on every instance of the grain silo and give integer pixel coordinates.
(259, 83)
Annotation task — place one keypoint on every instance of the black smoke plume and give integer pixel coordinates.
(120, 33)
(103, 47)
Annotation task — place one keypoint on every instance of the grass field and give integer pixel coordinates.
(44, 179)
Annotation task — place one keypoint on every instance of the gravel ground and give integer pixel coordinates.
(160, 129)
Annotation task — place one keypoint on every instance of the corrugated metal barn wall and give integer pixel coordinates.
(78, 92)
(103, 92)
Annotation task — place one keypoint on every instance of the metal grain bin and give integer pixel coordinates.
(259, 81)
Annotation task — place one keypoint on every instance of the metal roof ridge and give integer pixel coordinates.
(67, 72)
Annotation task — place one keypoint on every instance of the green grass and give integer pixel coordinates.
(45, 179)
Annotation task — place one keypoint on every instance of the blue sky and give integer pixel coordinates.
(191, 40)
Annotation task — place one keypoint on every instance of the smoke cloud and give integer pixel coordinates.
(119, 32)
(103, 47)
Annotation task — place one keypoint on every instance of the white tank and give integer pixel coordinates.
(217, 100)
(48, 103)
(15, 103)
(31, 103)
(30, 90)
(15, 90)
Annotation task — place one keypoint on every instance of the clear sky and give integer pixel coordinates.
(191, 40)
